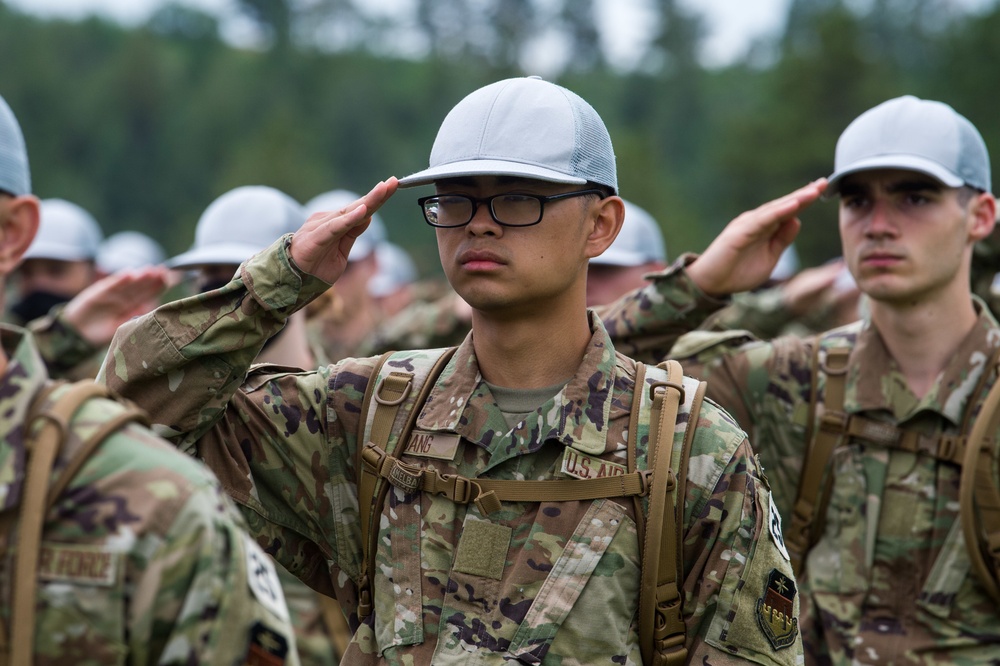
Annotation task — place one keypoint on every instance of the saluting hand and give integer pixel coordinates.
(98, 311)
(744, 254)
(321, 245)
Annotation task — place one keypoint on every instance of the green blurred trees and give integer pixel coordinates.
(144, 127)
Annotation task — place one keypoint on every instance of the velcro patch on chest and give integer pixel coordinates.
(78, 564)
(586, 466)
(775, 613)
(441, 446)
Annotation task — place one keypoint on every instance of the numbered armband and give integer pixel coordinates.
(268, 645)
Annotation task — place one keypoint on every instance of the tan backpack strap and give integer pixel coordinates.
(661, 626)
(977, 490)
(336, 624)
(389, 395)
(487, 494)
(43, 448)
(825, 438)
(632, 446)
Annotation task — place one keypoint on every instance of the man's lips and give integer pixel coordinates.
(880, 258)
(480, 260)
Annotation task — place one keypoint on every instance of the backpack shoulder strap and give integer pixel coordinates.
(662, 632)
(54, 408)
(978, 493)
(821, 440)
(390, 390)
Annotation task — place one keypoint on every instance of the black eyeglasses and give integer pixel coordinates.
(510, 210)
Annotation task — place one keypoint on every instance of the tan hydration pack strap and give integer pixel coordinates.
(661, 625)
(42, 450)
(388, 395)
(832, 426)
(662, 631)
(978, 491)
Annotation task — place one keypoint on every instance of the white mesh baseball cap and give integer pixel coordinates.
(334, 200)
(526, 128)
(916, 135)
(239, 224)
(639, 242)
(128, 249)
(15, 177)
(65, 232)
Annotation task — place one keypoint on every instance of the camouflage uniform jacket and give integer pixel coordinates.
(143, 559)
(889, 581)
(549, 583)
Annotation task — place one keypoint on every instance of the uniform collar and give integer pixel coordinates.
(949, 394)
(577, 416)
(25, 376)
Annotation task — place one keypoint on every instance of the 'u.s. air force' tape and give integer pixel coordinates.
(775, 529)
(263, 580)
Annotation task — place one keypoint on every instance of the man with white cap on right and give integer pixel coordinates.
(866, 431)
(510, 524)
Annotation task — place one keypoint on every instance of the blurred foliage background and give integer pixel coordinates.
(145, 126)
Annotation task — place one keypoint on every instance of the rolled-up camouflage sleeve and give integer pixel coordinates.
(645, 323)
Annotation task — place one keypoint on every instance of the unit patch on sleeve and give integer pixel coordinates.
(774, 611)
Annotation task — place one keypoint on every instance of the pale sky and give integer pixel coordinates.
(732, 24)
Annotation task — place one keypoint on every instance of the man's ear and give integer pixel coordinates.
(18, 225)
(609, 216)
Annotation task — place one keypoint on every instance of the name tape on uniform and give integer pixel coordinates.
(78, 564)
(585, 466)
(441, 446)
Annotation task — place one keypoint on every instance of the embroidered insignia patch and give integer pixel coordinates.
(775, 611)
(267, 647)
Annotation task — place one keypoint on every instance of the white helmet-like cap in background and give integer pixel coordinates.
(395, 270)
(126, 250)
(639, 242)
(787, 266)
(334, 200)
(65, 232)
(240, 223)
(15, 177)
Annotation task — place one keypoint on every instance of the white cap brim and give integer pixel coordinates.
(40, 249)
(905, 162)
(229, 253)
(488, 168)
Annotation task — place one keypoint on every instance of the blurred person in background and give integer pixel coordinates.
(117, 548)
(234, 227)
(341, 321)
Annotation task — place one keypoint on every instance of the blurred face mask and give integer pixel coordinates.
(36, 304)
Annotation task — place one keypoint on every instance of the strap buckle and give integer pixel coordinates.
(655, 386)
(364, 597)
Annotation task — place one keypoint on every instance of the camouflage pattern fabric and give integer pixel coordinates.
(68, 356)
(549, 583)
(889, 582)
(421, 325)
(143, 559)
